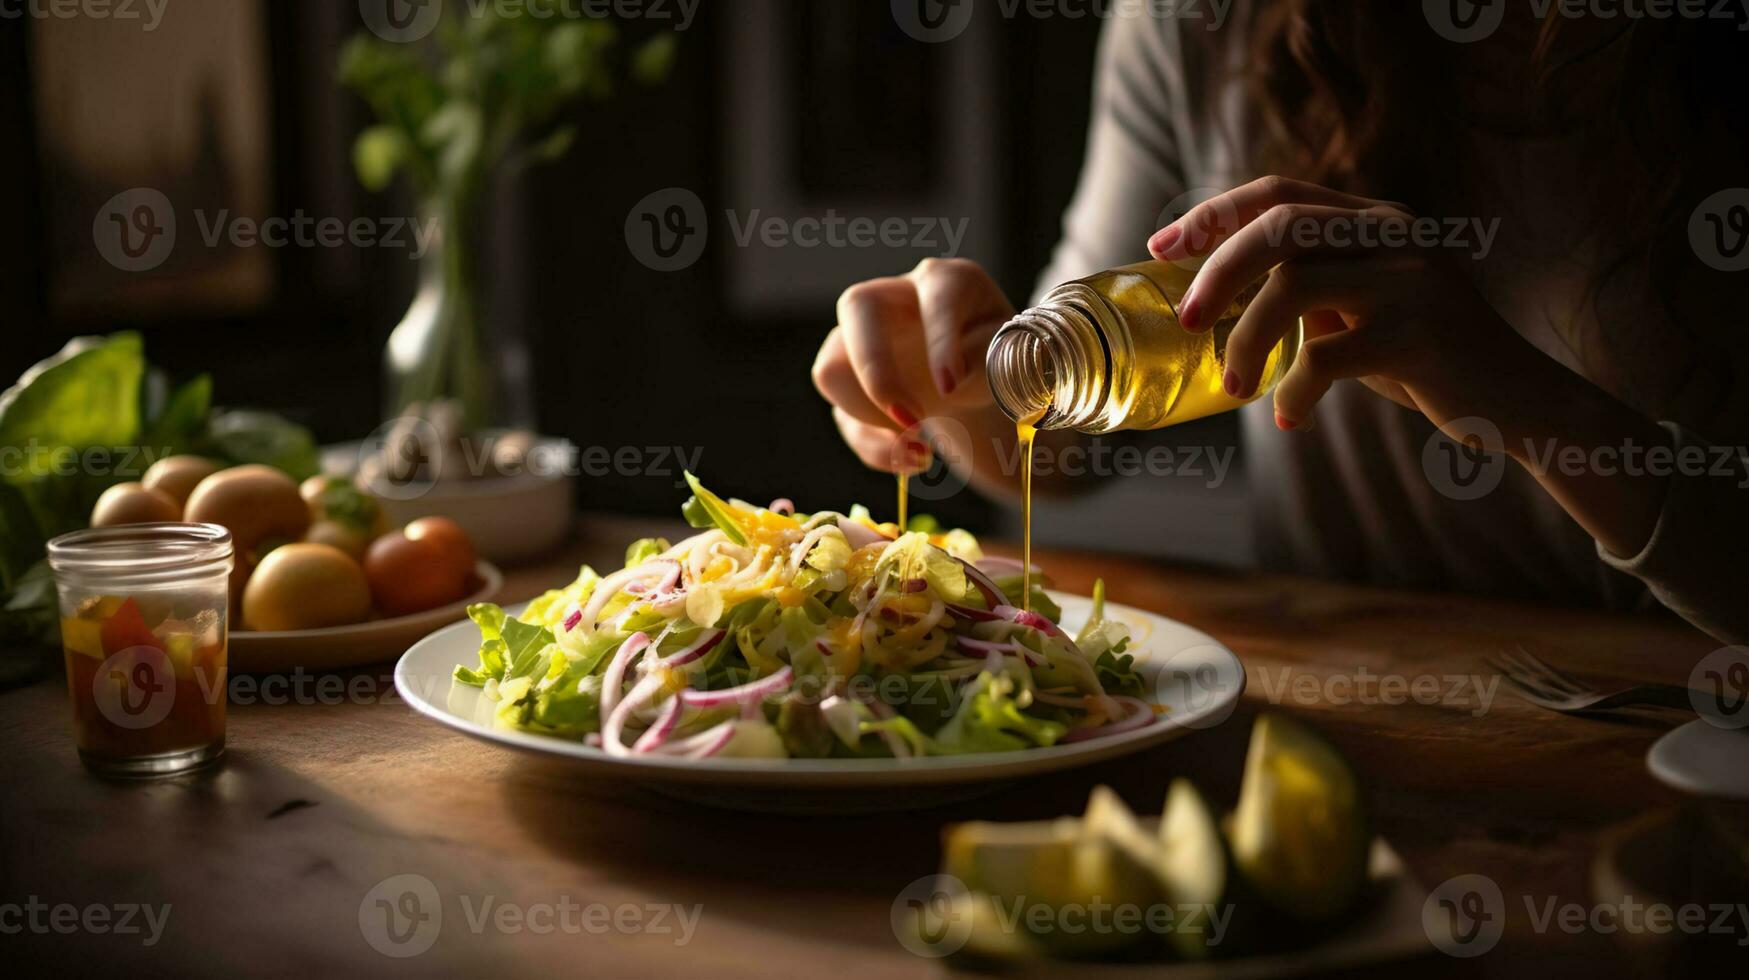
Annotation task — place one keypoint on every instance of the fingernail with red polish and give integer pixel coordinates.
(1284, 423)
(1230, 381)
(945, 381)
(1164, 239)
(902, 415)
(1187, 311)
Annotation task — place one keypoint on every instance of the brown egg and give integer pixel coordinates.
(258, 504)
(132, 503)
(305, 586)
(177, 476)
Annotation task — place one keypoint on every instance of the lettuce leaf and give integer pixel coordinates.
(706, 509)
(509, 648)
(644, 549)
(990, 720)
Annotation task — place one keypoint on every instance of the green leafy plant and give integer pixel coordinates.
(489, 87)
(93, 415)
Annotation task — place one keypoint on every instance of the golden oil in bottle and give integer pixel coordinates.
(1107, 352)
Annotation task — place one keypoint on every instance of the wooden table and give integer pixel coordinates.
(266, 861)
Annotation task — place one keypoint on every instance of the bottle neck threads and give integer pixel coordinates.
(1050, 366)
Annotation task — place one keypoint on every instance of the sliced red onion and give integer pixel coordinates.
(992, 565)
(1028, 618)
(755, 692)
(661, 729)
(800, 553)
(664, 585)
(611, 586)
(614, 677)
(615, 724)
(859, 535)
(993, 596)
(782, 505)
(706, 642)
(1141, 715)
(572, 620)
(975, 615)
(701, 746)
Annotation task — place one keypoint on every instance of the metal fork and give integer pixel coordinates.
(1548, 686)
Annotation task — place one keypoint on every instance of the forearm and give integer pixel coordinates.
(1592, 453)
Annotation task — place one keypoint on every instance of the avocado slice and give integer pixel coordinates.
(1196, 869)
(1046, 879)
(1300, 834)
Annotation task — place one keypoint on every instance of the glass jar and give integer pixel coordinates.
(1107, 352)
(143, 628)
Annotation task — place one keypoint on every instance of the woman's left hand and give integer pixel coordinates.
(1407, 322)
(1378, 301)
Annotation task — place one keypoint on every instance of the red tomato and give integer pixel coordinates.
(408, 576)
(458, 550)
(127, 628)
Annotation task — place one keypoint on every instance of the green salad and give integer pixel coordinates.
(826, 635)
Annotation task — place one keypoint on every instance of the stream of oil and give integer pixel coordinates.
(1024, 432)
(904, 501)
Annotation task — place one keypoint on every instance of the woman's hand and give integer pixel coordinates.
(1408, 323)
(910, 348)
(1399, 317)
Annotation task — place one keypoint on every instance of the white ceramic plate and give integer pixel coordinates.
(1197, 678)
(1703, 758)
(336, 647)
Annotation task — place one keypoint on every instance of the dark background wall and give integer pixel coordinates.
(622, 355)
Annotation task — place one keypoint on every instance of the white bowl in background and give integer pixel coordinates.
(510, 518)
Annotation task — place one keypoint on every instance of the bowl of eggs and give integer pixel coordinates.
(322, 580)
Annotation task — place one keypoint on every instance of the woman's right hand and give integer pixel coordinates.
(909, 348)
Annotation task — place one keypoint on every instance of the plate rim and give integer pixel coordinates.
(977, 767)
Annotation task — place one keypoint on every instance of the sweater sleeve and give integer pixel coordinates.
(1149, 87)
(1694, 562)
